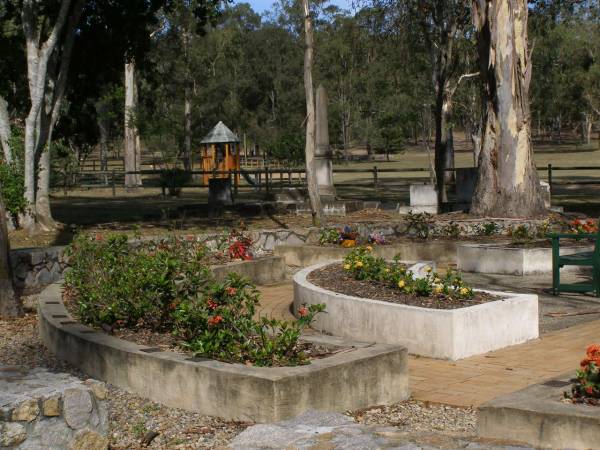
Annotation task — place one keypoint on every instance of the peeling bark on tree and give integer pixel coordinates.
(132, 146)
(311, 176)
(5, 131)
(508, 184)
(10, 304)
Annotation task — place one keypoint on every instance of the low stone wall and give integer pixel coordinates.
(339, 382)
(437, 333)
(44, 410)
(494, 258)
(36, 268)
(537, 416)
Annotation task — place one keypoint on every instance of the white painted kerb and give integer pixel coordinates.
(437, 333)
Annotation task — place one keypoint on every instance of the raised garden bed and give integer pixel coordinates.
(438, 333)
(513, 258)
(537, 416)
(341, 381)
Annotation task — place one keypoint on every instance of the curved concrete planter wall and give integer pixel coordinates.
(360, 375)
(494, 258)
(442, 252)
(448, 334)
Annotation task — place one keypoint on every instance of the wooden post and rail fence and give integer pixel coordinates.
(270, 178)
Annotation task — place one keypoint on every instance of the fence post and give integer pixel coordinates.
(267, 178)
(113, 183)
(235, 182)
(290, 177)
(550, 178)
(375, 181)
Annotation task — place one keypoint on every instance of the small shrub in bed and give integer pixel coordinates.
(587, 387)
(115, 284)
(220, 323)
(361, 264)
(166, 286)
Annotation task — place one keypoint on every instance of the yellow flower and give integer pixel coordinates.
(369, 248)
(347, 266)
(438, 290)
(437, 280)
(387, 270)
(359, 264)
(463, 291)
(401, 283)
(427, 269)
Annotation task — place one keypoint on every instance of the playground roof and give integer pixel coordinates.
(220, 134)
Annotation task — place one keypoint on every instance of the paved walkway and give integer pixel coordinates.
(475, 380)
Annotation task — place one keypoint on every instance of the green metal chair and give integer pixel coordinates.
(583, 259)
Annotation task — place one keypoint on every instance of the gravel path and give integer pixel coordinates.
(133, 419)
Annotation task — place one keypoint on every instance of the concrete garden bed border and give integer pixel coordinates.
(442, 252)
(438, 333)
(500, 259)
(362, 375)
(537, 416)
(263, 270)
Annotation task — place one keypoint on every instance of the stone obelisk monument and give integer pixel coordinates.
(323, 153)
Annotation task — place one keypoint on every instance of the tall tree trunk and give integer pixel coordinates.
(508, 184)
(444, 147)
(187, 128)
(5, 131)
(311, 177)
(588, 129)
(10, 304)
(38, 59)
(132, 151)
(103, 131)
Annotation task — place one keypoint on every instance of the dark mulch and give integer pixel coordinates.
(547, 243)
(334, 278)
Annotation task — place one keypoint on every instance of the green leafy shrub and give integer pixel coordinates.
(174, 179)
(114, 284)
(418, 224)
(488, 229)
(12, 182)
(362, 265)
(329, 236)
(220, 323)
(167, 286)
(451, 229)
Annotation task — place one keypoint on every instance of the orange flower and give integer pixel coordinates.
(99, 237)
(231, 291)
(593, 351)
(303, 311)
(215, 320)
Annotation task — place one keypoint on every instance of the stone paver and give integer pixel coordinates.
(475, 380)
(315, 430)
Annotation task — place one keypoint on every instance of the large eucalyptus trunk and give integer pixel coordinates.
(311, 176)
(10, 304)
(444, 145)
(508, 184)
(132, 151)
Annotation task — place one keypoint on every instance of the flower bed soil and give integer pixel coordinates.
(334, 278)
